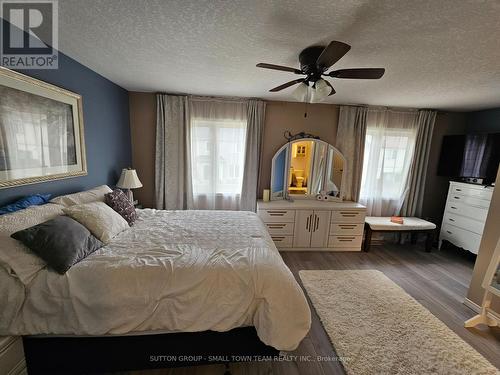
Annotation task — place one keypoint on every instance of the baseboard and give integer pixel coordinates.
(476, 308)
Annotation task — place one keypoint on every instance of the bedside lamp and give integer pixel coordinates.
(129, 180)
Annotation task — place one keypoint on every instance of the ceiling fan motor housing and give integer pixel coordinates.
(307, 59)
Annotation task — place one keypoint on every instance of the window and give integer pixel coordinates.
(217, 161)
(389, 146)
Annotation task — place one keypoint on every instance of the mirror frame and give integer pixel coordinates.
(287, 146)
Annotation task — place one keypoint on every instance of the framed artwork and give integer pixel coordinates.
(41, 131)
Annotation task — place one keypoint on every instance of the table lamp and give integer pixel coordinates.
(129, 180)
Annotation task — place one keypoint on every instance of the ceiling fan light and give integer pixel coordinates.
(301, 92)
(320, 92)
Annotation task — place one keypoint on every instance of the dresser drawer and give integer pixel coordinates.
(345, 241)
(281, 216)
(457, 208)
(464, 222)
(461, 237)
(482, 193)
(346, 228)
(468, 200)
(348, 216)
(283, 241)
(280, 228)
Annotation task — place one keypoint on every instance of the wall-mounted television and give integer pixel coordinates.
(471, 157)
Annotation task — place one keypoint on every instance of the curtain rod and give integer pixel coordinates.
(211, 97)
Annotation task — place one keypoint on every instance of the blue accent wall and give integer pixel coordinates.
(107, 129)
(487, 121)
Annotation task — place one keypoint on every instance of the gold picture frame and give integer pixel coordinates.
(41, 131)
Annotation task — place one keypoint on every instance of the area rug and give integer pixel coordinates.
(377, 328)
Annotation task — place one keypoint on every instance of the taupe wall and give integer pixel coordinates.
(489, 240)
(143, 134)
(436, 187)
(280, 116)
(321, 120)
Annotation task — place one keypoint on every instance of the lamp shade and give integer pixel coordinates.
(129, 180)
(321, 91)
(301, 92)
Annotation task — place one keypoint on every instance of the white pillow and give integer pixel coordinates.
(93, 195)
(99, 218)
(15, 257)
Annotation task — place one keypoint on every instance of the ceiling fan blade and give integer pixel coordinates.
(333, 90)
(332, 53)
(278, 67)
(285, 85)
(358, 73)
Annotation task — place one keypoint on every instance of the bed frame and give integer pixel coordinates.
(95, 354)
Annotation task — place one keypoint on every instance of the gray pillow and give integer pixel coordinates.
(60, 242)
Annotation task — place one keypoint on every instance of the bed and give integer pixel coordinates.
(173, 273)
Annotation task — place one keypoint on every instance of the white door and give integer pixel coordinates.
(319, 228)
(303, 227)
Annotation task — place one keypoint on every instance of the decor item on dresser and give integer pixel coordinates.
(119, 202)
(465, 215)
(129, 180)
(306, 167)
(49, 143)
(314, 225)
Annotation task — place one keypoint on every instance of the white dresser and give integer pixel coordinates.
(314, 225)
(12, 356)
(465, 215)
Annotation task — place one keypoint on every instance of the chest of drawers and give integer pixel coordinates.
(314, 225)
(465, 215)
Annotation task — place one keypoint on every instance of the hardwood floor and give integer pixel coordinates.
(438, 280)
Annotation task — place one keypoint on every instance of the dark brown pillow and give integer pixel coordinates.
(119, 202)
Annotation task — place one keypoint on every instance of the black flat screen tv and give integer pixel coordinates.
(470, 156)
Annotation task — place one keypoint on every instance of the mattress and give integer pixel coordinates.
(175, 271)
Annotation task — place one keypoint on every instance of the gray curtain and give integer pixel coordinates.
(350, 141)
(256, 110)
(413, 202)
(173, 189)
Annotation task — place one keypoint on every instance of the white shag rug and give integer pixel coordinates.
(377, 328)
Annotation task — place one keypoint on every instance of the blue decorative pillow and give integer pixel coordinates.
(32, 200)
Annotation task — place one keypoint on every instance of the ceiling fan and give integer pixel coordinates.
(314, 62)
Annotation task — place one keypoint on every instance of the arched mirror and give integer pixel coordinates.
(306, 167)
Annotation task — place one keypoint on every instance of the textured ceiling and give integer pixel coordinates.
(442, 54)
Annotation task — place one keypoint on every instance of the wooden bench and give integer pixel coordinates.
(412, 225)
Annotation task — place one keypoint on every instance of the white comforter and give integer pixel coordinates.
(172, 271)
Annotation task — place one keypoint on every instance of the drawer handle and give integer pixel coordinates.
(456, 197)
(458, 189)
(347, 226)
(450, 219)
(276, 213)
(278, 238)
(345, 238)
(448, 232)
(453, 207)
(276, 226)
